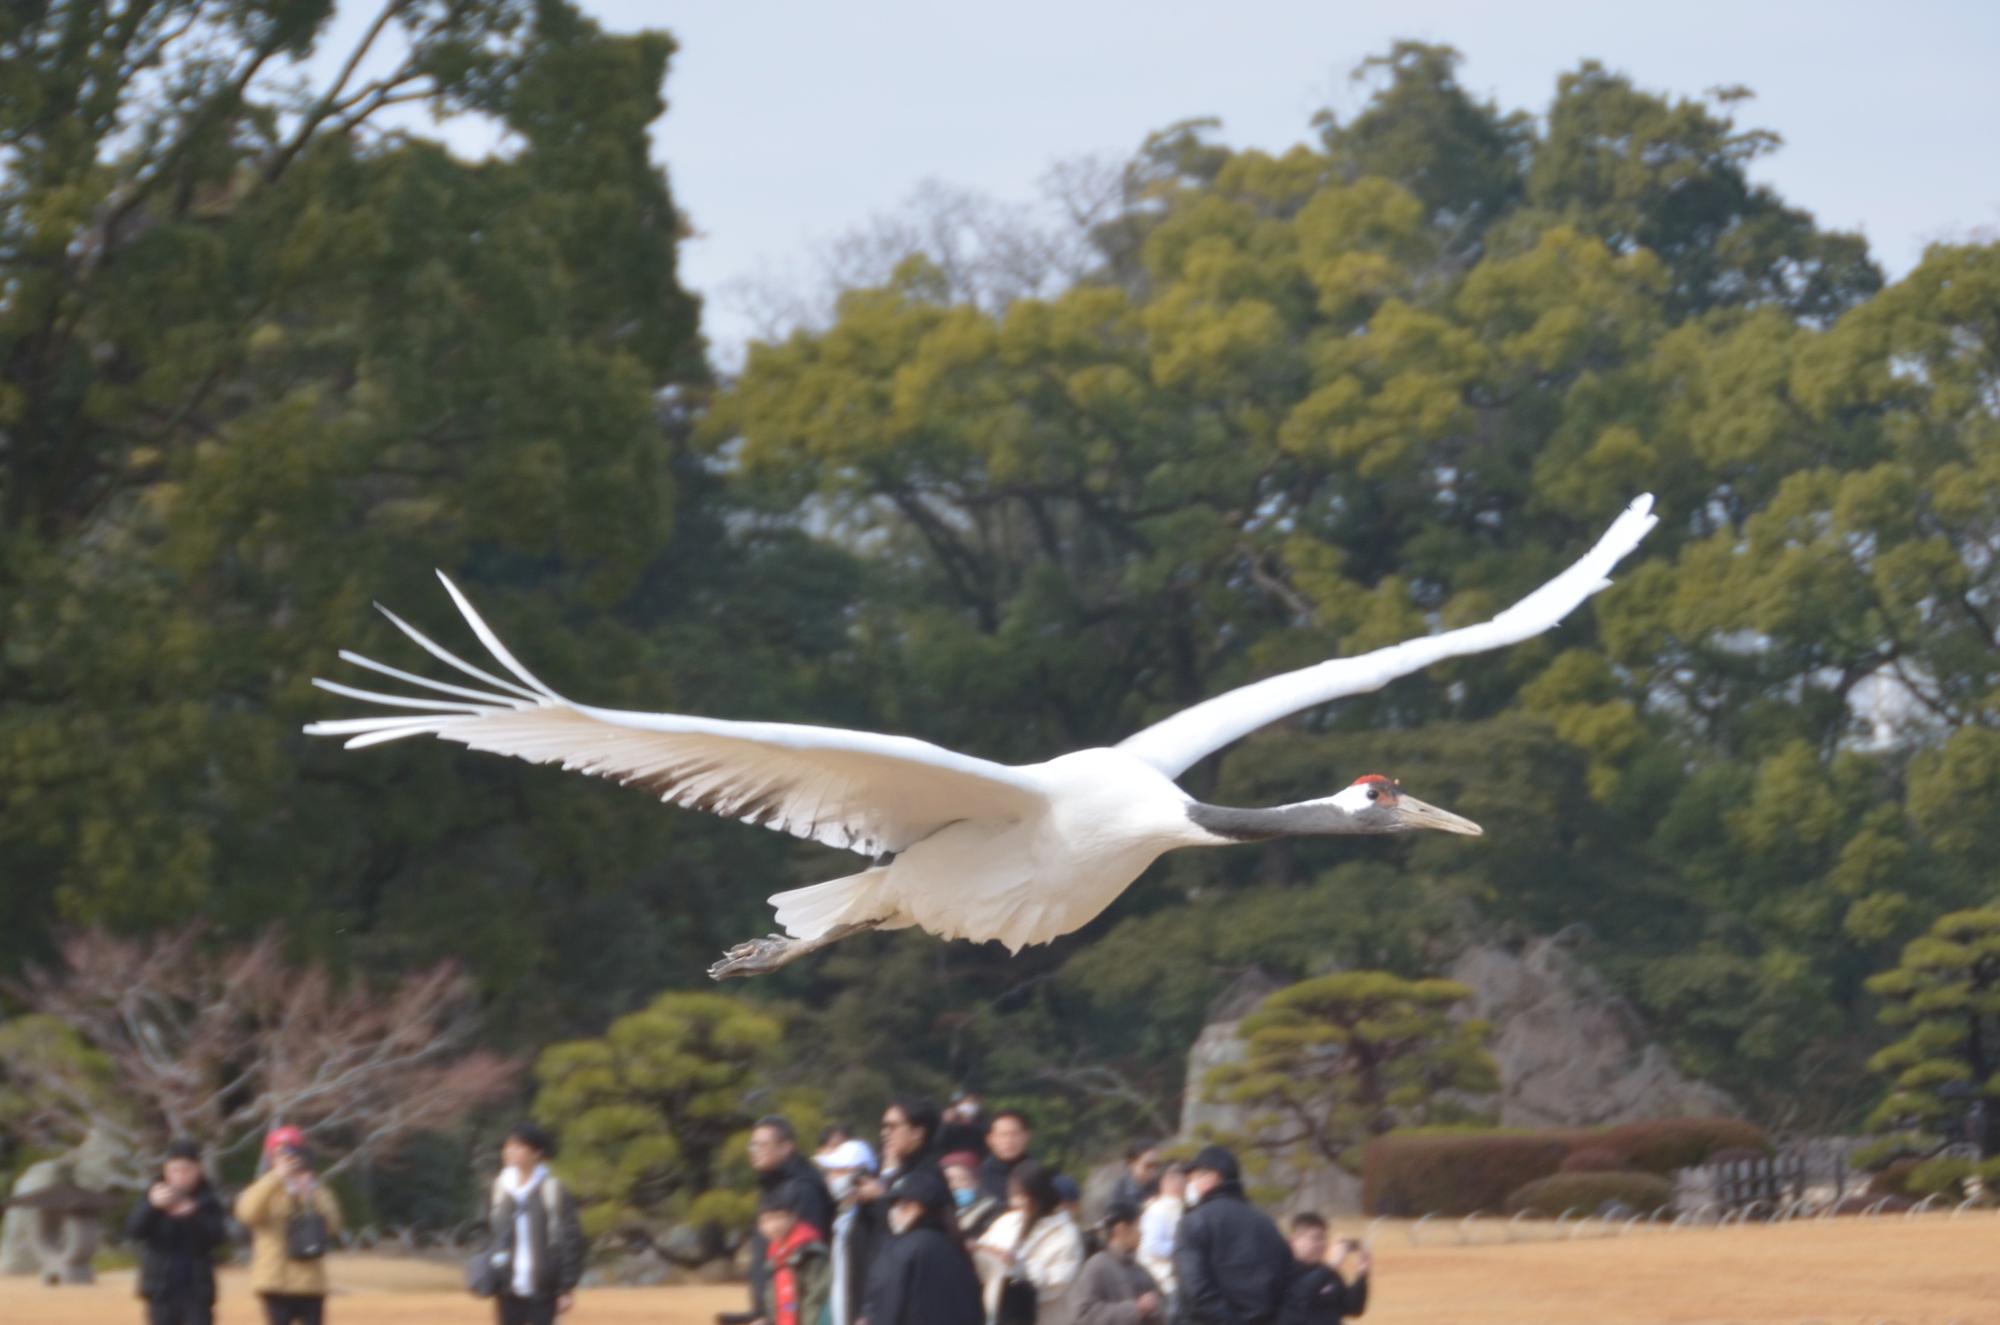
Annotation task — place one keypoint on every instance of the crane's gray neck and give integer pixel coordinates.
(1305, 819)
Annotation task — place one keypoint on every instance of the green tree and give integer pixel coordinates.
(654, 1116)
(1332, 1062)
(1945, 997)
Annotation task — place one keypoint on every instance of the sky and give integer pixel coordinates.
(792, 123)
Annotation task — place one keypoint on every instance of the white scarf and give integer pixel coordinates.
(521, 1191)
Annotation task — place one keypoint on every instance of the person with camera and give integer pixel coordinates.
(536, 1243)
(1319, 1293)
(177, 1225)
(293, 1218)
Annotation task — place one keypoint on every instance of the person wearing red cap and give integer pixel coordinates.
(292, 1217)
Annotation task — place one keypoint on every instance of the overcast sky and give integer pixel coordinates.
(792, 123)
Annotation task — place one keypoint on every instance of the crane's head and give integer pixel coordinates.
(1379, 805)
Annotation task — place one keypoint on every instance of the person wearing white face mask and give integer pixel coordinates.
(842, 1164)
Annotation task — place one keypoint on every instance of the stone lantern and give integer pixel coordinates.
(66, 1226)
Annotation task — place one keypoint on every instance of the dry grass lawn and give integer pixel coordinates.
(1927, 1271)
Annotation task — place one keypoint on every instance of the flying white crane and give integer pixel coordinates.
(963, 847)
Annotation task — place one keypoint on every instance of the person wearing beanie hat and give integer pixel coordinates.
(922, 1275)
(976, 1210)
(291, 1216)
(1114, 1289)
(1231, 1264)
(177, 1226)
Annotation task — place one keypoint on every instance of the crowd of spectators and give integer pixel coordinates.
(952, 1221)
(956, 1222)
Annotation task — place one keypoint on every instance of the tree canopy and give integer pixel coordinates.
(268, 356)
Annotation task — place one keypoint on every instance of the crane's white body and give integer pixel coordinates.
(1105, 817)
(965, 847)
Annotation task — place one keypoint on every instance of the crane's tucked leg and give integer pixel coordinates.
(762, 956)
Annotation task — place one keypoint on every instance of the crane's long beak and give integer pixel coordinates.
(1415, 814)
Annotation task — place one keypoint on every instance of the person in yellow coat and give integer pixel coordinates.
(292, 1217)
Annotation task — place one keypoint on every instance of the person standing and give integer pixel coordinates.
(843, 1166)
(1114, 1289)
(1007, 1140)
(910, 1129)
(976, 1210)
(1141, 1178)
(1231, 1263)
(1319, 1293)
(801, 1275)
(922, 1275)
(789, 1178)
(293, 1218)
(963, 1126)
(1030, 1257)
(1159, 1223)
(537, 1238)
(177, 1225)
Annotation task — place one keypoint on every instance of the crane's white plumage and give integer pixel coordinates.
(864, 791)
(1177, 743)
(965, 847)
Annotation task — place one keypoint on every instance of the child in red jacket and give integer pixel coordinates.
(801, 1273)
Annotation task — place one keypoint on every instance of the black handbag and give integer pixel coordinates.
(1018, 1302)
(306, 1236)
(482, 1274)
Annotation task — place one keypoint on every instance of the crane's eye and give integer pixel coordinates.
(1373, 794)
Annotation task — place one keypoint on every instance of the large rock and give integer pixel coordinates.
(1570, 1053)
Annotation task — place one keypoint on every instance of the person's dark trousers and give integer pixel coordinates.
(179, 1311)
(526, 1310)
(291, 1309)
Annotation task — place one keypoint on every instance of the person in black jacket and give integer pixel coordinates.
(1007, 1140)
(922, 1275)
(177, 1226)
(789, 1178)
(536, 1238)
(1231, 1264)
(1319, 1294)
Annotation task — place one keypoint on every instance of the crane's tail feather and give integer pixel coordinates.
(812, 912)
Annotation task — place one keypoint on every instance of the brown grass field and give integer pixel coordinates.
(1927, 1271)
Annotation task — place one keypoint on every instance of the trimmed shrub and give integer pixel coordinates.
(1665, 1144)
(1593, 1159)
(1410, 1175)
(1943, 1176)
(1893, 1179)
(1590, 1192)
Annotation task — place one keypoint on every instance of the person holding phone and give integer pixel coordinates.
(177, 1225)
(1320, 1294)
(293, 1218)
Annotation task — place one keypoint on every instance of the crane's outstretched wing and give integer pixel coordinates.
(859, 790)
(1173, 744)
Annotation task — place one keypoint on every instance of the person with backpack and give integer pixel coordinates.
(535, 1245)
(177, 1225)
(293, 1218)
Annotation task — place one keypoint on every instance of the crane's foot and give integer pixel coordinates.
(757, 957)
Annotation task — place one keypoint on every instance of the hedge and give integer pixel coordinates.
(1590, 1192)
(1665, 1144)
(1593, 1159)
(1452, 1175)
(1458, 1171)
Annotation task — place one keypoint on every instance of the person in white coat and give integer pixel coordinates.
(1159, 1222)
(1029, 1258)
